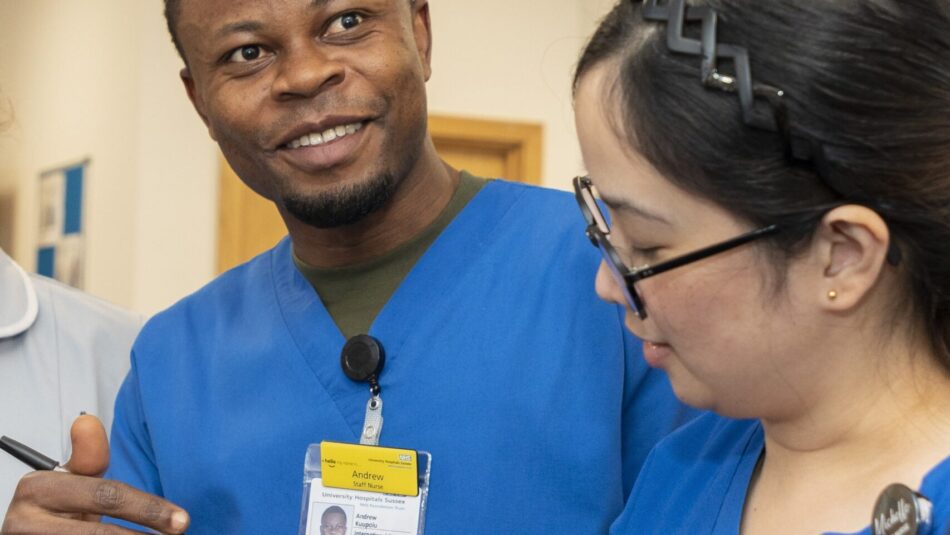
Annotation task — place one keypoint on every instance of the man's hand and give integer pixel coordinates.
(60, 503)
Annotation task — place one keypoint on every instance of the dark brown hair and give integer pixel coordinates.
(172, 10)
(868, 79)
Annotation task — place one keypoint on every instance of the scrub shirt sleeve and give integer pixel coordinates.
(132, 458)
(650, 411)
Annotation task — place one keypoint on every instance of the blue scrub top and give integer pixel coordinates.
(695, 481)
(532, 398)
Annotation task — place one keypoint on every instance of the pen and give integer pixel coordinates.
(29, 456)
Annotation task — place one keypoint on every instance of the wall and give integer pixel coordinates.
(99, 78)
(66, 74)
(504, 59)
(177, 173)
(590, 12)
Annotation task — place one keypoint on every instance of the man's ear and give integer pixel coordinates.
(852, 244)
(195, 99)
(422, 31)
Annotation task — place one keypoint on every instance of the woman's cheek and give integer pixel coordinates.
(686, 308)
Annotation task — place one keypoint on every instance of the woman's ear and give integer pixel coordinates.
(852, 243)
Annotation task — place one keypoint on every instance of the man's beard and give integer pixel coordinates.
(344, 206)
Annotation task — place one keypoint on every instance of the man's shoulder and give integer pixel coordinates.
(531, 193)
(548, 211)
(228, 292)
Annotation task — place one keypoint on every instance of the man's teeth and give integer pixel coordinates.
(328, 135)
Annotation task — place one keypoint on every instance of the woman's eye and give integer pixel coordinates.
(246, 54)
(638, 256)
(344, 22)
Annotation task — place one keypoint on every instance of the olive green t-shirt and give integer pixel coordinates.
(354, 295)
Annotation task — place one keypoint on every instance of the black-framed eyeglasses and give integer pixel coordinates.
(598, 231)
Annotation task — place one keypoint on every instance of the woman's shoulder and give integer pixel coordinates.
(710, 437)
(936, 490)
(693, 478)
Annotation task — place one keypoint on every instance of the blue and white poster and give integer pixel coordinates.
(61, 249)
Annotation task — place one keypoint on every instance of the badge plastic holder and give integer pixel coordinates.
(365, 512)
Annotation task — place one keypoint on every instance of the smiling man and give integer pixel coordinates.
(533, 400)
(333, 521)
(320, 107)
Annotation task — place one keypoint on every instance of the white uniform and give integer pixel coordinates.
(61, 352)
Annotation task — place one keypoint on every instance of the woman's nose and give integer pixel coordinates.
(607, 287)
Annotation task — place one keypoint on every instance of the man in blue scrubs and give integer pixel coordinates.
(533, 400)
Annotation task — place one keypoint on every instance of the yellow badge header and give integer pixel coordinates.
(369, 468)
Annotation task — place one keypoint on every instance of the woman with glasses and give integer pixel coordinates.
(769, 184)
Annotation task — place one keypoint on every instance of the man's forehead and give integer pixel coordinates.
(228, 8)
(202, 21)
(208, 10)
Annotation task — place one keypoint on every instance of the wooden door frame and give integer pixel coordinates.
(230, 208)
(520, 142)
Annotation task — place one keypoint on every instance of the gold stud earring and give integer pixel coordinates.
(832, 295)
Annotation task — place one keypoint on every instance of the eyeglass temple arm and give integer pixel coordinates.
(649, 271)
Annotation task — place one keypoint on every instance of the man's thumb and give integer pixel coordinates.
(90, 455)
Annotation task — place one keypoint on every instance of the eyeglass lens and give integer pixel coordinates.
(617, 269)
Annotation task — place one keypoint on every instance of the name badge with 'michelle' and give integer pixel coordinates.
(901, 511)
(364, 490)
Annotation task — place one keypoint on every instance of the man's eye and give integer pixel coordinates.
(344, 22)
(245, 54)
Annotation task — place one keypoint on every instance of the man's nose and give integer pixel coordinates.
(306, 70)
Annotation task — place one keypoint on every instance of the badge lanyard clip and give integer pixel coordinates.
(372, 422)
(348, 480)
(362, 360)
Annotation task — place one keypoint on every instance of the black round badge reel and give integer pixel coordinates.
(362, 360)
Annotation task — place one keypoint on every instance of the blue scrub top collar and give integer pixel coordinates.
(18, 305)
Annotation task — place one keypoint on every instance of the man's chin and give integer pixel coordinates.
(343, 206)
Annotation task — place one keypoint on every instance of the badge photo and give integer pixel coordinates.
(356, 489)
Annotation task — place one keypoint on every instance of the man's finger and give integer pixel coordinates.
(90, 456)
(69, 493)
(60, 526)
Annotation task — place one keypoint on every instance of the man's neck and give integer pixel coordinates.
(419, 199)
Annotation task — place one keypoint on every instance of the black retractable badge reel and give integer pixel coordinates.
(362, 360)
(900, 510)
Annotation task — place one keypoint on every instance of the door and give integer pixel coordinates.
(249, 224)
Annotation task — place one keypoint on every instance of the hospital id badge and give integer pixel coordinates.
(355, 489)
